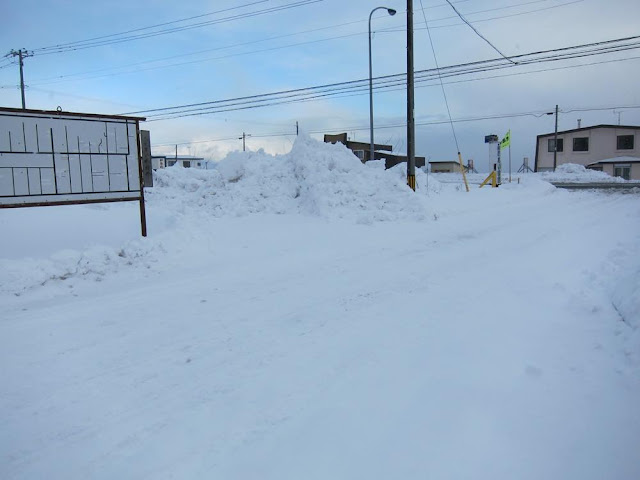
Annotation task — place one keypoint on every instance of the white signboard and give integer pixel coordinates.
(57, 157)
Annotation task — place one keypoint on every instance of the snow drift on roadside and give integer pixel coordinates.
(18, 276)
(315, 178)
(574, 173)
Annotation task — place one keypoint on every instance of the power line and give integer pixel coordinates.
(500, 116)
(61, 78)
(444, 93)
(79, 42)
(226, 47)
(564, 53)
(82, 45)
(477, 32)
(190, 62)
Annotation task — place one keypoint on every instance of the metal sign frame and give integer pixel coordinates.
(52, 158)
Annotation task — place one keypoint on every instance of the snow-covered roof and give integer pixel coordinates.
(593, 127)
(617, 160)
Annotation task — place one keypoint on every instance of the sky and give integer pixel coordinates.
(239, 48)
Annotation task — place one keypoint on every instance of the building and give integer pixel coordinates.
(381, 152)
(625, 167)
(187, 161)
(610, 148)
(445, 166)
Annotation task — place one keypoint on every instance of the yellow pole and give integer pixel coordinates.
(411, 181)
(492, 177)
(464, 175)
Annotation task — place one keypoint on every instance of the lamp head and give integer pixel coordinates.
(391, 11)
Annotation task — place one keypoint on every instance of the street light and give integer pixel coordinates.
(391, 12)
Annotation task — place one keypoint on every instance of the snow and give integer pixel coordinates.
(571, 172)
(307, 316)
(565, 173)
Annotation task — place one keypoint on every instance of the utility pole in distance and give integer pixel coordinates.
(21, 54)
(244, 138)
(555, 143)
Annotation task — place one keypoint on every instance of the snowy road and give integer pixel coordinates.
(484, 342)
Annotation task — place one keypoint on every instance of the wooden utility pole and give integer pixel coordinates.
(21, 54)
(411, 128)
(244, 141)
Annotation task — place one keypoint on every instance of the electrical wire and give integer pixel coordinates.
(62, 78)
(444, 93)
(79, 42)
(286, 96)
(191, 62)
(477, 32)
(500, 116)
(198, 52)
(100, 43)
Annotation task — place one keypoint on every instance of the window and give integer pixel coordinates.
(623, 171)
(171, 163)
(186, 164)
(359, 154)
(625, 142)
(560, 145)
(581, 144)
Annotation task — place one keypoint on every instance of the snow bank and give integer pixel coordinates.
(19, 276)
(315, 178)
(574, 173)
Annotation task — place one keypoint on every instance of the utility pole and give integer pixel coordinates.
(21, 54)
(555, 143)
(411, 130)
(243, 138)
(297, 129)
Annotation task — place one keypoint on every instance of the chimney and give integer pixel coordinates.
(579, 122)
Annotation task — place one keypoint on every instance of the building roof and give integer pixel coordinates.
(617, 160)
(180, 157)
(352, 144)
(593, 127)
(444, 161)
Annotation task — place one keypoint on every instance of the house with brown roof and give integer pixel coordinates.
(381, 151)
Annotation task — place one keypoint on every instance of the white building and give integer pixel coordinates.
(187, 161)
(610, 148)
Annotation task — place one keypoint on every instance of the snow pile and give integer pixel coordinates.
(19, 276)
(315, 178)
(574, 173)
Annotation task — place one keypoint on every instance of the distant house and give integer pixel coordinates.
(623, 167)
(381, 152)
(610, 148)
(187, 161)
(445, 166)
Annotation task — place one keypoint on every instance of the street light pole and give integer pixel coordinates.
(391, 12)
